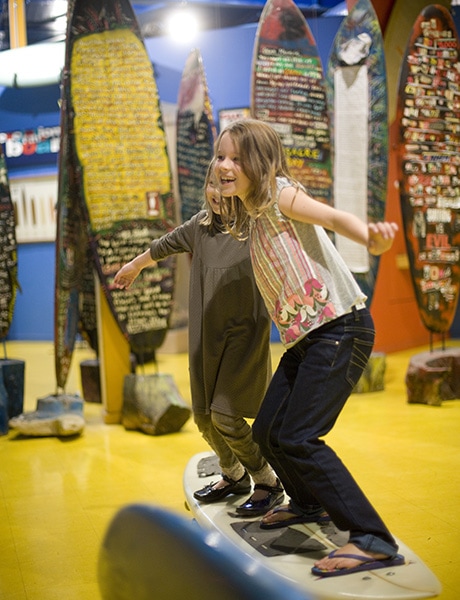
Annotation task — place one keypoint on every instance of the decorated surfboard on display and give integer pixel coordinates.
(288, 91)
(8, 252)
(117, 137)
(402, 17)
(74, 277)
(291, 552)
(74, 293)
(71, 254)
(357, 95)
(196, 133)
(429, 164)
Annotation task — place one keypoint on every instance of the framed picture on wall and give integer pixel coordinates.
(228, 115)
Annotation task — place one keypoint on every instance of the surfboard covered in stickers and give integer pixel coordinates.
(428, 112)
(8, 252)
(357, 98)
(288, 91)
(397, 30)
(118, 161)
(196, 134)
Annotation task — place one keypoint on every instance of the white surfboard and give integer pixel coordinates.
(291, 552)
(32, 66)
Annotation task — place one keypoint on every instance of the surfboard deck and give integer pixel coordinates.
(288, 91)
(428, 113)
(291, 552)
(196, 134)
(8, 254)
(117, 133)
(357, 97)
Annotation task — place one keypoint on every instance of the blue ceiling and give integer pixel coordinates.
(46, 18)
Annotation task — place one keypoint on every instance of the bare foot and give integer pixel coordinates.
(284, 513)
(339, 561)
(278, 514)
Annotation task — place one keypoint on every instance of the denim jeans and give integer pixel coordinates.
(306, 395)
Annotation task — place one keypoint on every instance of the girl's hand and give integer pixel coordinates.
(128, 273)
(381, 236)
(126, 276)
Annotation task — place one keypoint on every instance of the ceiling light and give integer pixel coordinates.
(182, 26)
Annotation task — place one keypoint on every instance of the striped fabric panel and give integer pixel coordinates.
(282, 270)
(282, 265)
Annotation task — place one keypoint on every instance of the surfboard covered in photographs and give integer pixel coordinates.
(116, 132)
(428, 113)
(290, 552)
(357, 99)
(196, 134)
(397, 30)
(8, 252)
(288, 91)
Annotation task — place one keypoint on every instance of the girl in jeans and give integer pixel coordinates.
(323, 322)
(229, 351)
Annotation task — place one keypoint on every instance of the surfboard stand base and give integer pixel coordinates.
(433, 377)
(56, 415)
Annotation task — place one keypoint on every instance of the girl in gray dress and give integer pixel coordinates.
(229, 350)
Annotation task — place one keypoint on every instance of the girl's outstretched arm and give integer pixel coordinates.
(298, 205)
(128, 273)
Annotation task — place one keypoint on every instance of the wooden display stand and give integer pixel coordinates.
(91, 380)
(433, 377)
(12, 373)
(57, 414)
(114, 359)
(373, 377)
(153, 404)
(149, 403)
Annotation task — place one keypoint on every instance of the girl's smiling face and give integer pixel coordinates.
(229, 172)
(213, 195)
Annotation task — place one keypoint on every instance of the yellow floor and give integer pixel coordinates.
(57, 496)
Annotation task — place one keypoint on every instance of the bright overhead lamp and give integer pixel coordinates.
(182, 26)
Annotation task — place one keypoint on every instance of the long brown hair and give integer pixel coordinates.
(262, 159)
(210, 219)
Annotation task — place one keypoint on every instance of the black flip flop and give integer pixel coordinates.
(296, 520)
(367, 564)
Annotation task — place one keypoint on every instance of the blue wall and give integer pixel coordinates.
(33, 317)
